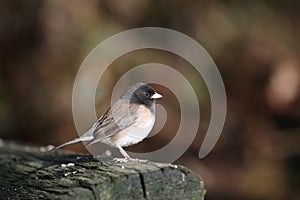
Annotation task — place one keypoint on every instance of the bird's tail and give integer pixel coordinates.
(85, 137)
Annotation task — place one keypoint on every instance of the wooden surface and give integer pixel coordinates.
(30, 173)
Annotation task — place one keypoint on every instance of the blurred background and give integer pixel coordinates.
(255, 44)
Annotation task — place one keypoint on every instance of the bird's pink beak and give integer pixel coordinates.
(156, 96)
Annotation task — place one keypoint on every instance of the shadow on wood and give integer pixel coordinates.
(28, 173)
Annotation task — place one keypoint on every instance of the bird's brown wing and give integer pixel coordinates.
(120, 116)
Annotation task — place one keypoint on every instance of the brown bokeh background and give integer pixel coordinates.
(254, 43)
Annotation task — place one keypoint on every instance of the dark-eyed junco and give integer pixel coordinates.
(128, 121)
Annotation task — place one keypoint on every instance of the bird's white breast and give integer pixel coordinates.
(138, 131)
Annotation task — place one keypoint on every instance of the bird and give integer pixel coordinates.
(127, 122)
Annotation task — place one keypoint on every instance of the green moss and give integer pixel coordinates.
(28, 173)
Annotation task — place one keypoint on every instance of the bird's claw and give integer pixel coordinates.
(123, 160)
(120, 160)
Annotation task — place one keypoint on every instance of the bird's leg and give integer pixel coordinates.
(126, 156)
(123, 152)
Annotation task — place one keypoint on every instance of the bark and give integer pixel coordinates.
(28, 173)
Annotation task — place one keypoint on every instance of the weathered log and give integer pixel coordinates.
(26, 172)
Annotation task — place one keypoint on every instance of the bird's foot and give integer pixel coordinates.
(123, 160)
(139, 160)
(120, 160)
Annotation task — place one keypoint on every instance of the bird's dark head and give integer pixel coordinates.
(141, 93)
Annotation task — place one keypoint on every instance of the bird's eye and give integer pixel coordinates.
(147, 94)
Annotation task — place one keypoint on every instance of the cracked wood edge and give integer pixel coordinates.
(26, 172)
